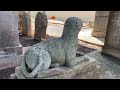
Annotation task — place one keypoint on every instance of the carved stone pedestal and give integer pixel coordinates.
(87, 69)
(9, 38)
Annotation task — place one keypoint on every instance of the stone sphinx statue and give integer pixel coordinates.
(53, 52)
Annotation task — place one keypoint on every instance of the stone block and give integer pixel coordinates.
(98, 34)
(40, 26)
(10, 56)
(102, 13)
(112, 40)
(91, 23)
(26, 24)
(111, 51)
(87, 69)
(10, 61)
(9, 35)
(100, 24)
(16, 50)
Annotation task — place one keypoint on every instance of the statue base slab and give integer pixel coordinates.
(86, 69)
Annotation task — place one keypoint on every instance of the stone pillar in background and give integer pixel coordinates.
(9, 34)
(112, 39)
(100, 24)
(40, 26)
(91, 23)
(20, 14)
(26, 23)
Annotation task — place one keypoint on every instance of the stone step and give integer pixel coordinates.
(15, 50)
(7, 61)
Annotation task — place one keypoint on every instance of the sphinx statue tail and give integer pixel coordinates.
(34, 72)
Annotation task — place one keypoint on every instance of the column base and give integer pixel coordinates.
(111, 52)
(98, 34)
(15, 50)
(10, 56)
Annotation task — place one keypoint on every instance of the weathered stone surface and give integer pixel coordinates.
(100, 24)
(110, 66)
(102, 13)
(112, 40)
(91, 23)
(92, 74)
(9, 35)
(61, 51)
(16, 50)
(83, 70)
(20, 14)
(98, 34)
(87, 69)
(26, 23)
(7, 61)
(10, 56)
(13, 76)
(40, 26)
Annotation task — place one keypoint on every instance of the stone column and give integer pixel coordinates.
(100, 24)
(9, 34)
(20, 14)
(112, 39)
(40, 26)
(26, 23)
